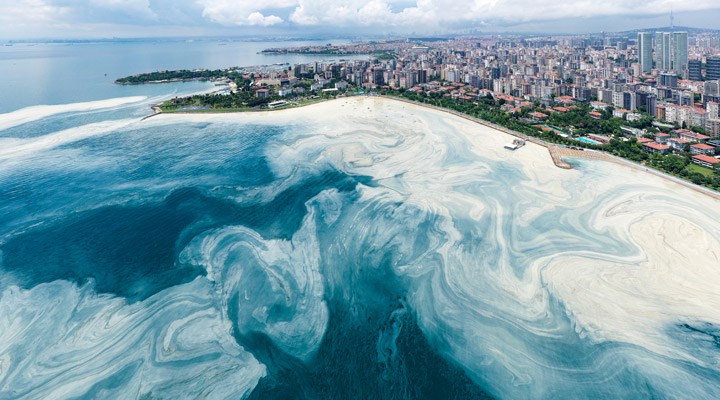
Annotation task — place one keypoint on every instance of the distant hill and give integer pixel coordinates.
(675, 29)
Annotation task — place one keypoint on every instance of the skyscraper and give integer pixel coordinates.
(422, 76)
(680, 51)
(713, 68)
(695, 70)
(378, 76)
(662, 51)
(645, 51)
(668, 79)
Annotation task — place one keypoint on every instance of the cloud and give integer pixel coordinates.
(24, 17)
(66, 11)
(136, 8)
(243, 12)
(73, 18)
(29, 11)
(438, 13)
(431, 14)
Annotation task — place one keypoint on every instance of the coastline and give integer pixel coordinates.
(602, 156)
(157, 109)
(552, 149)
(160, 81)
(556, 153)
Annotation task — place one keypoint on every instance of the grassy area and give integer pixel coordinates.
(699, 169)
(185, 110)
(206, 111)
(561, 130)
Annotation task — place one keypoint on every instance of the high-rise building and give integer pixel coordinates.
(645, 51)
(711, 88)
(713, 68)
(710, 98)
(695, 70)
(713, 110)
(680, 51)
(668, 79)
(651, 105)
(422, 76)
(662, 51)
(629, 101)
(378, 76)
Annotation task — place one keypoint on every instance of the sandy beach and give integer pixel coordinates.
(340, 107)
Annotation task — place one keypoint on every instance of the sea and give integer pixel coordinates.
(80, 71)
(341, 256)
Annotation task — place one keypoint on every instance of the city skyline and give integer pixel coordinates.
(34, 19)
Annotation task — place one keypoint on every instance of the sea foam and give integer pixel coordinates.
(34, 113)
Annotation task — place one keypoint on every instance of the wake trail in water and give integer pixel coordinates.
(36, 113)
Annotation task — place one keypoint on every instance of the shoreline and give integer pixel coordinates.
(161, 81)
(158, 110)
(603, 156)
(555, 152)
(552, 148)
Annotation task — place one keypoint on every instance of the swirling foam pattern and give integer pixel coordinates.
(361, 248)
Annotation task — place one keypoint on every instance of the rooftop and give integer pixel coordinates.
(656, 146)
(707, 159)
(703, 146)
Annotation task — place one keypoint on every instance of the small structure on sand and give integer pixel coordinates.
(516, 144)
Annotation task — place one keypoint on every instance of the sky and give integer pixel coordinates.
(92, 19)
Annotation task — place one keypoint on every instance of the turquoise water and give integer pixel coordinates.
(586, 140)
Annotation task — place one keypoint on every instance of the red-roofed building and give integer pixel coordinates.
(706, 161)
(662, 138)
(652, 147)
(691, 136)
(643, 140)
(566, 100)
(595, 115)
(677, 144)
(702, 148)
(620, 112)
(538, 116)
(598, 105)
